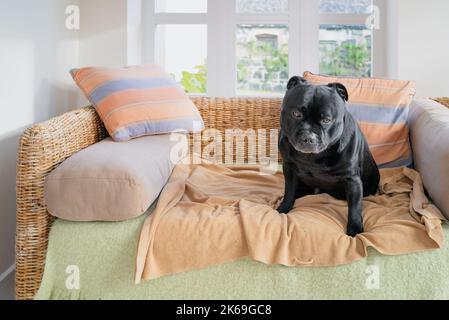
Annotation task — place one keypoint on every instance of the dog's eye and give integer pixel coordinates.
(326, 121)
(296, 114)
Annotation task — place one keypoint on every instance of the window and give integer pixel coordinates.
(182, 50)
(262, 6)
(345, 6)
(262, 47)
(252, 47)
(262, 59)
(345, 49)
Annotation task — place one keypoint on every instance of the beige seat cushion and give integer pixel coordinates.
(429, 125)
(110, 181)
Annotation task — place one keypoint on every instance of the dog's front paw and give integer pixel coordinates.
(284, 208)
(354, 229)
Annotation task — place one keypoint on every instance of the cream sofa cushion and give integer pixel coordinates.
(429, 125)
(110, 181)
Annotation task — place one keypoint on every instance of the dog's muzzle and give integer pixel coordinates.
(307, 143)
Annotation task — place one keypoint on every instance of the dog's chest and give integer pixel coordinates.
(317, 177)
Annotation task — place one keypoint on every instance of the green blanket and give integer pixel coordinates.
(96, 261)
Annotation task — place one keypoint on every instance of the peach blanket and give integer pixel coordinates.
(209, 214)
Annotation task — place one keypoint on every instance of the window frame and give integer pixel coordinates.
(379, 52)
(222, 19)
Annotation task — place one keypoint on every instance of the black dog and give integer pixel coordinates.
(323, 148)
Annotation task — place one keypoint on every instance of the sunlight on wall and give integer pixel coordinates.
(134, 32)
(64, 49)
(103, 39)
(17, 88)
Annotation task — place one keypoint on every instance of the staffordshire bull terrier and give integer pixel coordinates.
(323, 149)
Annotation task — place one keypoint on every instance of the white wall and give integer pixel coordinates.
(111, 33)
(103, 34)
(423, 45)
(36, 53)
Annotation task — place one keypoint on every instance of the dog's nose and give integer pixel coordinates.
(308, 140)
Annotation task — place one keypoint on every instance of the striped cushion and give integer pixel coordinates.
(381, 108)
(138, 101)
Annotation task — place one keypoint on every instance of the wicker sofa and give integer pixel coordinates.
(44, 146)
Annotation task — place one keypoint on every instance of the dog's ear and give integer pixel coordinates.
(295, 81)
(341, 90)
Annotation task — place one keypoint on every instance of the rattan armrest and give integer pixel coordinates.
(42, 147)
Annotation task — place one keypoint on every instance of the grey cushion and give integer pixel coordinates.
(110, 181)
(429, 125)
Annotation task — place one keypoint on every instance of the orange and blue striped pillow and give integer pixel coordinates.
(381, 107)
(138, 101)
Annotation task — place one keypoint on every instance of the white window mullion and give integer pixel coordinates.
(262, 19)
(221, 57)
(309, 36)
(180, 18)
(380, 52)
(348, 19)
(148, 32)
(294, 44)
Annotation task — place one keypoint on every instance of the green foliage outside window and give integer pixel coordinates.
(346, 60)
(195, 82)
(272, 65)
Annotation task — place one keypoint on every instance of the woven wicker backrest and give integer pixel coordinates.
(236, 121)
(44, 146)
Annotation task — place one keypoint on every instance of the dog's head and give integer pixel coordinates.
(312, 117)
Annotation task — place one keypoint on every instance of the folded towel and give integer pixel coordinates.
(209, 214)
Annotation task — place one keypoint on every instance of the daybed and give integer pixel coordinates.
(44, 146)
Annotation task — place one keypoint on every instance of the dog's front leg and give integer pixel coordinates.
(291, 189)
(354, 196)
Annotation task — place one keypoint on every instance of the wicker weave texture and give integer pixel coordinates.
(234, 122)
(444, 101)
(44, 146)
